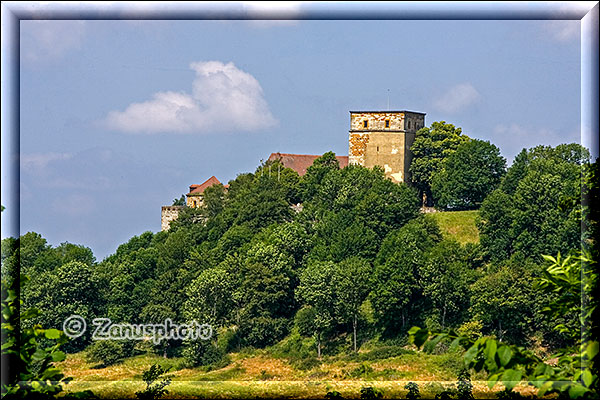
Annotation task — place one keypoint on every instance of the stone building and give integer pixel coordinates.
(384, 138)
(194, 199)
(380, 138)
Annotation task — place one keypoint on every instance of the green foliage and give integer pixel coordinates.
(30, 370)
(333, 395)
(154, 389)
(105, 352)
(430, 149)
(573, 376)
(468, 175)
(371, 393)
(533, 211)
(180, 201)
(209, 298)
(396, 293)
(413, 391)
(316, 291)
(464, 387)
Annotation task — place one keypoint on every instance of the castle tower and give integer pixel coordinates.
(384, 138)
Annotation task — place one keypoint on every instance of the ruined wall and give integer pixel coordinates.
(168, 214)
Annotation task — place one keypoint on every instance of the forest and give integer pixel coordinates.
(356, 268)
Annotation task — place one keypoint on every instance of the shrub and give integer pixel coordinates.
(413, 391)
(334, 395)
(105, 352)
(203, 353)
(370, 393)
(154, 390)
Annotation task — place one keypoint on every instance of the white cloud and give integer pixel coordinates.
(43, 40)
(511, 139)
(562, 30)
(38, 162)
(223, 98)
(457, 98)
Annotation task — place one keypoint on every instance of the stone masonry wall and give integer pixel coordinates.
(384, 139)
(168, 214)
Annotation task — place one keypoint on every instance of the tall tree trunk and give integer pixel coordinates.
(319, 345)
(354, 323)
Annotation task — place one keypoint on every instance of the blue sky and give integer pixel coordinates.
(120, 117)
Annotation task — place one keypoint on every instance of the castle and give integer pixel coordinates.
(380, 138)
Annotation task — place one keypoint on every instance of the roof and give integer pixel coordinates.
(199, 189)
(384, 111)
(301, 162)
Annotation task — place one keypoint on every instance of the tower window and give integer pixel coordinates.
(387, 123)
(365, 124)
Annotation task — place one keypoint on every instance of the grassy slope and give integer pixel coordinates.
(459, 225)
(260, 375)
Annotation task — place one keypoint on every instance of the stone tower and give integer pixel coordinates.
(384, 138)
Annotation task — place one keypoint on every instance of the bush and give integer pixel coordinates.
(106, 352)
(203, 353)
(370, 392)
(413, 391)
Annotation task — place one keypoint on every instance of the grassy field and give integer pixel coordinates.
(459, 225)
(260, 375)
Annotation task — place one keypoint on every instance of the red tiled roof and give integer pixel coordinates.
(301, 162)
(199, 189)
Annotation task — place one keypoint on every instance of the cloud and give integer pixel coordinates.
(512, 138)
(223, 98)
(38, 162)
(49, 40)
(562, 31)
(457, 98)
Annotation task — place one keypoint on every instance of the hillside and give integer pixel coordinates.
(459, 225)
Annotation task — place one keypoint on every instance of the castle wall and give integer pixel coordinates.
(376, 121)
(194, 201)
(384, 139)
(168, 214)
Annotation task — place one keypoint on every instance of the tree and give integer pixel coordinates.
(468, 175)
(30, 370)
(209, 298)
(395, 284)
(352, 286)
(445, 280)
(317, 290)
(430, 148)
(180, 201)
(574, 375)
(504, 301)
(536, 214)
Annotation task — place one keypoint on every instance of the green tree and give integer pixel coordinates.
(504, 301)
(468, 175)
(430, 148)
(352, 286)
(574, 374)
(445, 280)
(317, 290)
(209, 298)
(536, 214)
(29, 352)
(396, 291)
(180, 201)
